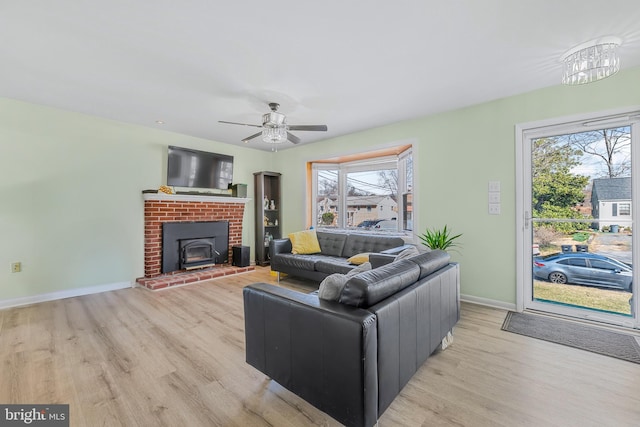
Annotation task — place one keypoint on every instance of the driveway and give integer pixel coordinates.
(614, 245)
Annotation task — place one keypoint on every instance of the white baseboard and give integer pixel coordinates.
(488, 302)
(34, 299)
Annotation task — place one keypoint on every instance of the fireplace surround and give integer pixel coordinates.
(161, 209)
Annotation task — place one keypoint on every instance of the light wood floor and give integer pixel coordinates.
(134, 357)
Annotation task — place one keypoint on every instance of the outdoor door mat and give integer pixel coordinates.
(610, 343)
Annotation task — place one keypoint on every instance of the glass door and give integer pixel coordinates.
(579, 220)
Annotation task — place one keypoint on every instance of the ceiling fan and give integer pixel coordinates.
(275, 128)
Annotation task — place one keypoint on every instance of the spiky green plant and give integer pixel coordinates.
(440, 239)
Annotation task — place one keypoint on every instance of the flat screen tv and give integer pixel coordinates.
(198, 169)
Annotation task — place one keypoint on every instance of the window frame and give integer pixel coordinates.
(385, 161)
(624, 209)
(525, 132)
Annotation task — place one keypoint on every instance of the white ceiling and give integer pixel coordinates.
(351, 65)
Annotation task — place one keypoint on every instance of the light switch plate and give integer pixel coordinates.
(494, 186)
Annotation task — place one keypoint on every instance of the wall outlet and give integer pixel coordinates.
(16, 267)
(494, 208)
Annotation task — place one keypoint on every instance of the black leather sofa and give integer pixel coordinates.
(335, 250)
(351, 358)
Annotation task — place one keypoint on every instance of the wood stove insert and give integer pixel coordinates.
(188, 245)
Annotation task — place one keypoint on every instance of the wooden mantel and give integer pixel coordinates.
(193, 198)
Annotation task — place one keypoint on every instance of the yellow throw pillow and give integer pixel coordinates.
(304, 242)
(359, 258)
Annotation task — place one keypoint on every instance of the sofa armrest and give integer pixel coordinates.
(279, 246)
(387, 256)
(397, 249)
(380, 259)
(323, 351)
(428, 309)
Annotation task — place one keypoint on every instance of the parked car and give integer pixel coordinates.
(368, 223)
(387, 224)
(582, 268)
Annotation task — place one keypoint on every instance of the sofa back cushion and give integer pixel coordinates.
(331, 244)
(430, 261)
(359, 243)
(370, 287)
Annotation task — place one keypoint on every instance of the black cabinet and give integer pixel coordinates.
(268, 221)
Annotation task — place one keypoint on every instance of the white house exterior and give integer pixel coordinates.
(360, 208)
(611, 202)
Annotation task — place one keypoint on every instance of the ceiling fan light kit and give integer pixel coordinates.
(275, 129)
(274, 135)
(274, 126)
(591, 61)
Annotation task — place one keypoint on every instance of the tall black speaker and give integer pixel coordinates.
(241, 255)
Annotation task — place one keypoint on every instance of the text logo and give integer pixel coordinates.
(34, 415)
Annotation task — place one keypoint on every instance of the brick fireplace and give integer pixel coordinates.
(172, 208)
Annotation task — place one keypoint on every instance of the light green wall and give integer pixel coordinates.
(71, 207)
(457, 154)
(70, 184)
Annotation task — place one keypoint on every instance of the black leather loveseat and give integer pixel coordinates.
(352, 357)
(335, 250)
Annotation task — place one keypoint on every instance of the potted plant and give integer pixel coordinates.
(440, 239)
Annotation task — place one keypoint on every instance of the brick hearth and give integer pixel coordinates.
(185, 277)
(161, 208)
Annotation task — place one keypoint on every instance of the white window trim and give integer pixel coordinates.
(388, 162)
(629, 116)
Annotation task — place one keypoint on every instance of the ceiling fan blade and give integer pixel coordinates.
(255, 135)
(292, 138)
(308, 127)
(241, 124)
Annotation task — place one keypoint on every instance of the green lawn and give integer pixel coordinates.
(584, 296)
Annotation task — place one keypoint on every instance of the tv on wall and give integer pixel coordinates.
(198, 169)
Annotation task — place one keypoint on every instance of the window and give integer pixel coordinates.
(578, 262)
(591, 153)
(365, 192)
(326, 196)
(575, 262)
(406, 171)
(602, 265)
(624, 209)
